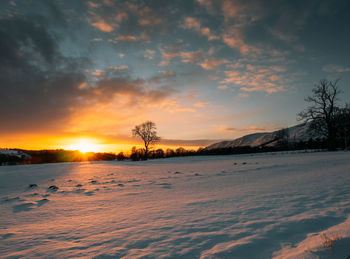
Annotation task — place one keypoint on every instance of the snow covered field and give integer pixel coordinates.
(246, 206)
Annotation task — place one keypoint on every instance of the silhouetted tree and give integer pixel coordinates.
(180, 151)
(147, 132)
(321, 111)
(136, 154)
(121, 156)
(169, 152)
(342, 124)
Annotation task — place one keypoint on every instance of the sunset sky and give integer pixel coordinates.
(74, 71)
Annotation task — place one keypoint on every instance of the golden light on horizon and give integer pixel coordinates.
(84, 145)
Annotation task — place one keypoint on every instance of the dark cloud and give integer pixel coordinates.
(41, 88)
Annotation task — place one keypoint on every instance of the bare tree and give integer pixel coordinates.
(147, 132)
(321, 111)
(342, 122)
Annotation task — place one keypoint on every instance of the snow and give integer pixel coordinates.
(11, 152)
(296, 133)
(275, 205)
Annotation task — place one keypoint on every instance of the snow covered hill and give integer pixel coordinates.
(12, 157)
(295, 134)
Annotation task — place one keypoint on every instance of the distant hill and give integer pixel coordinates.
(269, 139)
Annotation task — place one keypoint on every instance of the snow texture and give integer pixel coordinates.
(276, 205)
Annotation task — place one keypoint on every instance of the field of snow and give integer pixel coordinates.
(247, 206)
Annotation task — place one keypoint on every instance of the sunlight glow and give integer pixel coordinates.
(84, 145)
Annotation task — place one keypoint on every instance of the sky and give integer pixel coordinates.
(75, 71)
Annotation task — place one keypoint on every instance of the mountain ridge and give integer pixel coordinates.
(292, 134)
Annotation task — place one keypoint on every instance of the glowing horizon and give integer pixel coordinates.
(202, 70)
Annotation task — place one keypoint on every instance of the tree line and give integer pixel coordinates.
(326, 120)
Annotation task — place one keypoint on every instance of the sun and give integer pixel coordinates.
(84, 145)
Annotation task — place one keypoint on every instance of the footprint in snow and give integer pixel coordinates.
(5, 236)
(23, 207)
(29, 205)
(32, 186)
(32, 194)
(165, 185)
(9, 199)
(53, 188)
(42, 202)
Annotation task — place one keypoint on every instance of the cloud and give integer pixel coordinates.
(335, 69)
(41, 89)
(127, 38)
(149, 54)
(102, 25)
(194, 24)
(167, 73)
(240, 11)
(122, 16)
(222, 87)
(173, 106)
(122, 67)
(248, 129)
(201, 104)
(234, 38)
(212, 63)
(253, 128)
(256, 78)
(175, 51)
(98, 72)
(192, 56)
(146, 16)
(92, 4)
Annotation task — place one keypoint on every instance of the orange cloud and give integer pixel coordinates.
(212, 63)
(256, 78)
(234, 38)
(118, 67)
(103, 26)
(149, 54)
(92, 4)
(146, 16)
(186, 56)
(222, 87)
(201, 104)
(192, 56)
(167, 72)
(127, 38)
(98, 72)
(121, 16)
(194, 24)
